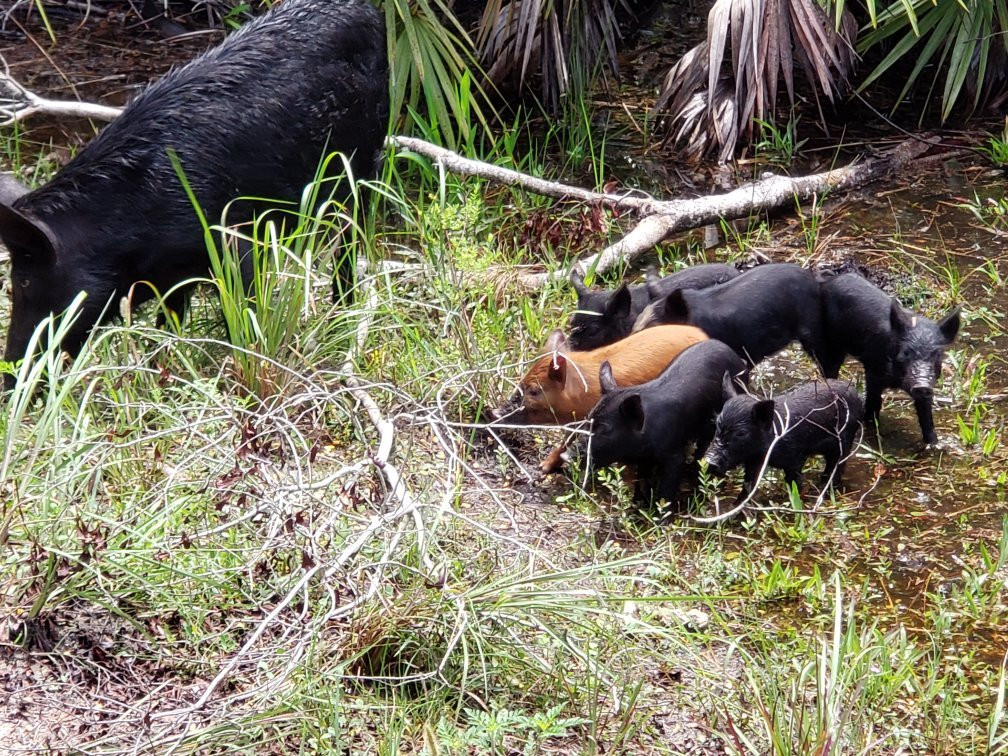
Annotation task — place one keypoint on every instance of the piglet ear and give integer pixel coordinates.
(555, 341)
(619, 303)
(763, 412)
(26, 238)
(728, 389)
(949, 325)
(579, 285)
(899, 321)
(606, 380)
(676, 310)
(633, 411)
(558, 369)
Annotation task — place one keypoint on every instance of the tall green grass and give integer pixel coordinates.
(204, 515)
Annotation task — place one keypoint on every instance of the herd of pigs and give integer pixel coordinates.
(656, 368)
(663, 366)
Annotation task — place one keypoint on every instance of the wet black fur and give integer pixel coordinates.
(252, 117)
(898, 350)
(604, 317)
(757, 314)
(651, 425)
(823, 418)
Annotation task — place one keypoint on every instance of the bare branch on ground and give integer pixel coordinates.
(660, 219)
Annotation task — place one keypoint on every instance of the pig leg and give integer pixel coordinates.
(874, 384)
(667, 484)
(794, 475)
(926, 420)
(830, 362)
(834, 467)
(752, 471)
(554, 460)
(812, 341)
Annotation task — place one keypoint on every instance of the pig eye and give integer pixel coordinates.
(25, 283)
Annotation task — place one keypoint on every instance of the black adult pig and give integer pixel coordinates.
(898, 349)
(252, 117)
(757, 314)
(818, 417)
(650, 425)
(604, 317)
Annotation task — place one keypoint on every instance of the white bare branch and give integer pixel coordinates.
(660, 219)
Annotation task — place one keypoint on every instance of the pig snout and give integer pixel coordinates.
(714, 459)
(922, 382)
(510, 409)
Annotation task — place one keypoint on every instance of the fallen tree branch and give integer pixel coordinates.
(660, 219)
(767, 193)
(18, 103)
(463, 166)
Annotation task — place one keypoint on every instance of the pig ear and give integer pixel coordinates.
(606, 380)
(619, 303)
(763, 412)
(633, 411)
(949, 325)
(579, 285)
(555, 341)
(651, 274)
(899, 321)
(558, 369)
(25, 237)
(728, 389)
(676, 309)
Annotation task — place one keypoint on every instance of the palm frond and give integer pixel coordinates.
(563, 43)
(968, 41)
(751, 46)
(430, 54)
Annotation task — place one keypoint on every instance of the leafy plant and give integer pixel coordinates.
(996, 148)
(431, 58)
(779, 145)
(967, 40)
(992, 212)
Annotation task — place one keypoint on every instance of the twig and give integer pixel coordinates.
(18, 103)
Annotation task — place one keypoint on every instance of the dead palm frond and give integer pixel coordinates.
(767, 39)
(564, 42)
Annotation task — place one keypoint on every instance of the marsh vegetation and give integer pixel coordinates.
(203, 546)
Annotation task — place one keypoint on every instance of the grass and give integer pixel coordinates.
(196, 527)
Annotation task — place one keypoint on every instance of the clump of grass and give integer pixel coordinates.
(990, 212)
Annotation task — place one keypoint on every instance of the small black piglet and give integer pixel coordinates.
(604, 317)
(899, 350)
(650, 425)
(818, 417)
(757, 314)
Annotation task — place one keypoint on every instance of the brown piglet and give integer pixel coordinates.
(562, 386)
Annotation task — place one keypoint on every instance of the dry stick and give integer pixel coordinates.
(660, 219)
(18, 103)
(408, 507)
